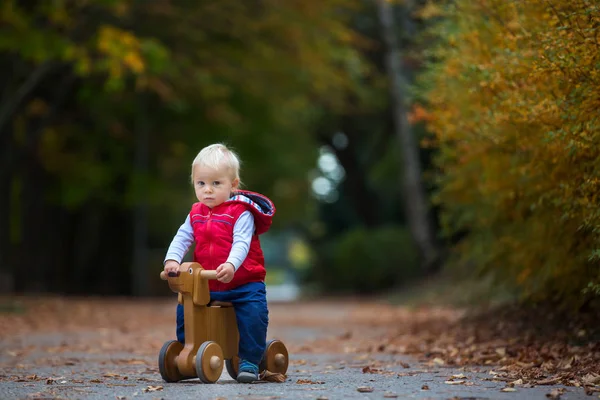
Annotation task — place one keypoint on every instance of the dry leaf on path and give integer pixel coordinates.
(549, 381)
(555, 393)
(153, 389)
(591, 390)
(365, 389)
(269, 376)
(591, 379)
(308, 382)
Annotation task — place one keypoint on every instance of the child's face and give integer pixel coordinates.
(213, 186)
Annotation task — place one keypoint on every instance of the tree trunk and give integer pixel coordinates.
(417, 209)
(6, 276)
(139, 269)
(34, 228)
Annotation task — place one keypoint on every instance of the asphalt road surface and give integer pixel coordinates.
(120, 361)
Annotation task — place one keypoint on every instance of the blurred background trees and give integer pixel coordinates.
(105, 103)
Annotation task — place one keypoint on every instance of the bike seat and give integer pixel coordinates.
(215, 303)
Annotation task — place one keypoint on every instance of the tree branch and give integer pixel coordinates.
(9, 107)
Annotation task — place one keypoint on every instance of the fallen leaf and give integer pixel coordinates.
(591, 390)
(555, 393)
(454, 382)
(269, 376)
(424, 387)
(40, 395)
(365, 389)
(549, 381)
(390, 395)
(308, 382)
(345, 336)
(369, 370)
(591, 379)
(508, 389)
(152, 389)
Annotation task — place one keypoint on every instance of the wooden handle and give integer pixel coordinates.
(208, 274)
(204, 273)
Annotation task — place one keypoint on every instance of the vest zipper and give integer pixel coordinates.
(210, 247)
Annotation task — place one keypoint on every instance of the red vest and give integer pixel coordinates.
(213, 235)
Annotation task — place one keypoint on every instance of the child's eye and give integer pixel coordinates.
(216, 183)
(200, 183)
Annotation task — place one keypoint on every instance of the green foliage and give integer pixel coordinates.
(255, 79)
(369, 260)
(592, 288)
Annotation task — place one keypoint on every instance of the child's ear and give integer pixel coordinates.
(235, 184)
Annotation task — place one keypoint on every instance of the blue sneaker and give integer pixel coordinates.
(248, 372)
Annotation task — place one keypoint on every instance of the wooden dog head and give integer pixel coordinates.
(192, 280)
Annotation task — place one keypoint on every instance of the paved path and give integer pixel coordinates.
(118, 361)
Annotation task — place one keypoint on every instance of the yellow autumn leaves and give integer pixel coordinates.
(121, 51)
(514, 108)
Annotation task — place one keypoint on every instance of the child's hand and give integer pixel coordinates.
(172, 266)
(225, 272)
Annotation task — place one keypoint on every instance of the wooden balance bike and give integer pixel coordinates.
(211, 333)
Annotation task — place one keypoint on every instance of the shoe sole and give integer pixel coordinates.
(246, 377)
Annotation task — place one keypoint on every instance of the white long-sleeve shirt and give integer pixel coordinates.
(242, 236)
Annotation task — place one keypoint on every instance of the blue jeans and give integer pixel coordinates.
(250, 305)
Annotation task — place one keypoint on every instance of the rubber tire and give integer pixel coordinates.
(231, 367)
(162, 358)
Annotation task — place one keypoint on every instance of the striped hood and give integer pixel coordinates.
(260, 205)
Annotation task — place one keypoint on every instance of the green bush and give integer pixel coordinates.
(366, 261)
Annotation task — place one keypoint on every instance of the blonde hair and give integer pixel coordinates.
(217, 156)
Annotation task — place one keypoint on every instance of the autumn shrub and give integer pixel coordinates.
(368, 260)
(513, 100)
